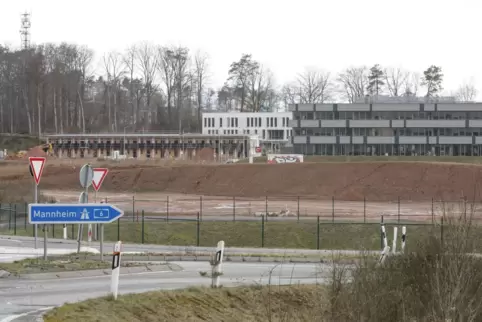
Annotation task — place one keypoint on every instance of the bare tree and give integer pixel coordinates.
(114, 70)
(260, 89)
(129, 60)
(201, 76)
(354, 81)
(147, 60)
(240, 73)
(314, 86)
(466, 92)
(395, 78)
(411, 84)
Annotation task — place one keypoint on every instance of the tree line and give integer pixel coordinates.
(55, 88)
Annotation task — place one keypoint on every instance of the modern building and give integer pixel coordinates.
(387, 129)
(272, 128)
(150, 145)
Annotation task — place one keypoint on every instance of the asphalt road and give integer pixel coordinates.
(25, 243)
(27, 300)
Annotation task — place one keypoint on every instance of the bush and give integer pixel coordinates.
(441, 281)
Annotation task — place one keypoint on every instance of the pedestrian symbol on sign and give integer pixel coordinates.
(84, 215)
(101, 213)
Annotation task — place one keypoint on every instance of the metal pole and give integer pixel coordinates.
(35, 200)
(333, 208)
(298, 213)
(101, 242)
(262, 231)
(399, 209)
(45, 242)
(234, 209)
(318, 232)
(381, 233)
(201, 207)
(364, 210)
(198, 229)
(81, 227)
(142, 226)
(266, 207)
(167, 208)
(133, 208)
(96, 226)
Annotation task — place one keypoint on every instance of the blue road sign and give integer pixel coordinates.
(82, 213)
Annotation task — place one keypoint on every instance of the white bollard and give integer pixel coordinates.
(89, 233)
(384, 255)
(65, 231)
(217, 267)
(384, 236)
(404, 238)
(394, 245)
(116, 260)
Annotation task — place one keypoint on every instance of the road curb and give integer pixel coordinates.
(167, 267)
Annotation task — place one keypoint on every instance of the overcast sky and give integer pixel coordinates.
(285, 36)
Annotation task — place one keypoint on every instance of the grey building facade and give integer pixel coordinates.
(438, 129)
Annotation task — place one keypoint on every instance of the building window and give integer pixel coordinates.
(259, 121)
(275, 122)
(267, 122)
(229, 122)
(205, 122)
(236, 122)
(220, 122)
(249, 121)
(213, 122)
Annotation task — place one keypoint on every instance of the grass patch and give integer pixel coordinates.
(271, 303)
(249, 234)
(64, 263)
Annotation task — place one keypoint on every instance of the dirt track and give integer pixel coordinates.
(375, 181)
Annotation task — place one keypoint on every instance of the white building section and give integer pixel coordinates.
(272, 128)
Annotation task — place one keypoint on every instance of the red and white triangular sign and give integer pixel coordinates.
(99, 176)
(37, 166)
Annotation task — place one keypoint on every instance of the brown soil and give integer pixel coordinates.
(376, 181)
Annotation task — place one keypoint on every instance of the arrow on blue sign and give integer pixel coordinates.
(82, 213)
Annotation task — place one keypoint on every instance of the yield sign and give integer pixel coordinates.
(99, 176)
(36, 167)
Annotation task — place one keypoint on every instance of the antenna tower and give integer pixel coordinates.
(25, 30)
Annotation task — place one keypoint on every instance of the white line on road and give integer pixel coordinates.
(14, 317)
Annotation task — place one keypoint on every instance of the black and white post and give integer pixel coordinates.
(394, 244)
(116, 260)
(217, 270)
(384, 237)
(404, 238)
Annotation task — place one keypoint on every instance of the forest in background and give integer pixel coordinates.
(55, 88)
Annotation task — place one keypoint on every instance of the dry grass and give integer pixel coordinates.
(280, 303)
(71, 262)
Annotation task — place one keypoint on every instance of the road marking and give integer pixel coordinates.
(14, 317)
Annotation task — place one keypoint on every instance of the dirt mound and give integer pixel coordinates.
(345, 181)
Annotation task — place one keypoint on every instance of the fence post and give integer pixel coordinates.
(234, 208)
(298, 212)
(73, 236)
(262, 231)
(266, 207)
(381, 233)
(398, 209)
(10, 217)
(198, 228)
(26, 215)
(318, 232)
(200, 208)
(167, 208)
(53, 230)
(118, 229)
(333, 208)
(442, 232)
(142, 226)
(432, 213)
(15, 223)
(364, 210)
(133, 208)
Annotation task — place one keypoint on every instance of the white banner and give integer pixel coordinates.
(285, 158)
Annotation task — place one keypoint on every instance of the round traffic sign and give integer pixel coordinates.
(86, 175)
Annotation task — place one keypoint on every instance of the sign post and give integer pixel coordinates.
(217, 264)
(98, 178)
(86, 175)
(116, 259)
(36, 168)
